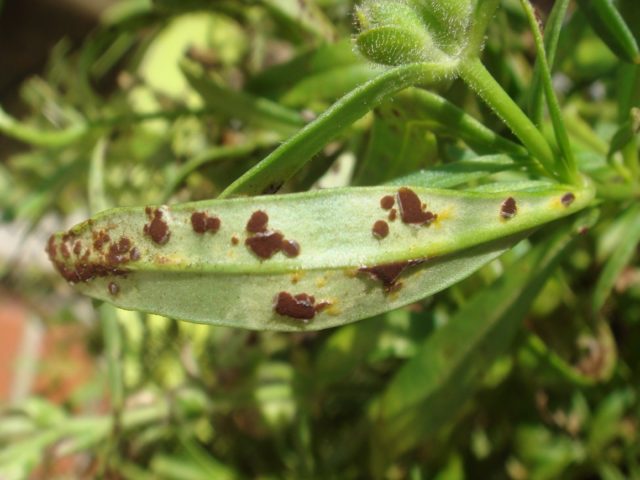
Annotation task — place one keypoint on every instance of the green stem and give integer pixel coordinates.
(13, 128)
(479, 79)
(567, 161)
(289, 157)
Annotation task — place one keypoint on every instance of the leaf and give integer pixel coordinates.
(552, 30)
(429, 390)
(458, 173)
(256, 110)
(612, 28)
(203, 277)
(620, 258)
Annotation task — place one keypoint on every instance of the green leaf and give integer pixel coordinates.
(612, 28)
(429, 390)
(552, 30)
(458, 173)
(152, 259)
(620, 258)
(243, 106)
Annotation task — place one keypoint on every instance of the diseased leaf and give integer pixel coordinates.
(302, 261)
(430, 388)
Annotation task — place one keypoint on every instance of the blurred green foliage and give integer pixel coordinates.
(521, 371)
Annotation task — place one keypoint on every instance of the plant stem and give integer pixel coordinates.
(479, 79)
(567, 161)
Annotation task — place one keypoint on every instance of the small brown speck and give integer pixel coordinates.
(234, 240)
(509, 208)
(393, 214)
(380, 229)
(114, 289)
(291, 248)
(387, 202)
(77, 247)
(567, 199)
(258, 222)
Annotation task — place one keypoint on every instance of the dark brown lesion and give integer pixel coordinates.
(387, 202)
(258, 222)
(300, 307)
(509, 208)
(567, 199)
(88, 262)
(380, 229)
(412, 210)
(264, 242)
(202, 223)
(157, 228)
(389, 273)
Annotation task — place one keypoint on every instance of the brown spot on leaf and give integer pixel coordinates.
(157, 227)
(301, 307)
(202, 223)
(100, 238)
(412, 210)
(393, 214)
(387, 202)
(119, 252)
(77, 247)
(114, 289)
(290, 248)
(380, 229)
(567, 199)
(265, 244)
(509, 208)
(258, 222)
(234, 240)
(389, 273)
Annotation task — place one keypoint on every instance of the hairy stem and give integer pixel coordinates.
(479, 79)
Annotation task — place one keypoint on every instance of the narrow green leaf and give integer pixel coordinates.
(567, 162)
(458, 173)
(430, 389)
(255, 110)
(302, 14)
(286, 160)
(552, 30)
(42, 138)
(447, 119)
(612, 28)
(275, 81)
(153, 259)
(620, 258)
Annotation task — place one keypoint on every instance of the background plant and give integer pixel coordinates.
(452, 386)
